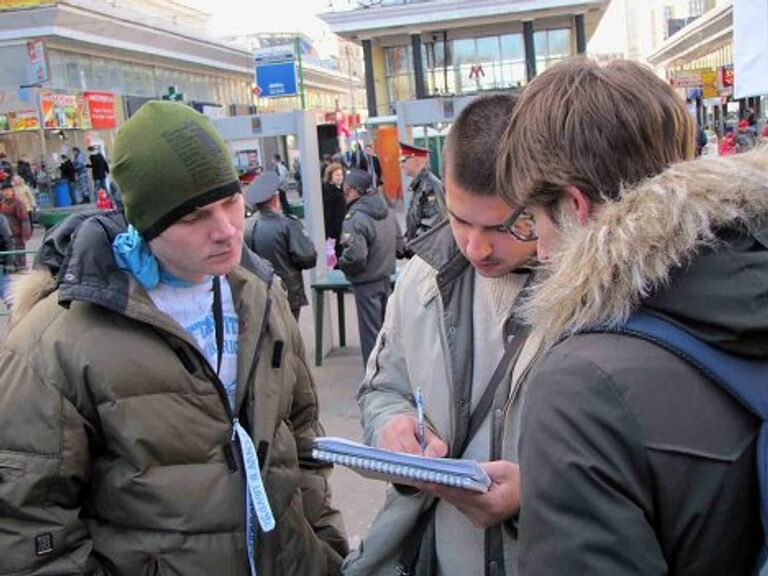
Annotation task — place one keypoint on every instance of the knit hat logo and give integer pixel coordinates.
(169, 161)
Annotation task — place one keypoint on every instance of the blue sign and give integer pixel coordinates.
(276, 80)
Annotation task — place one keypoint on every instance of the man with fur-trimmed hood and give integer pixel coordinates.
(633, 461)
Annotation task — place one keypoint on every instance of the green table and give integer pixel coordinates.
(334, 281)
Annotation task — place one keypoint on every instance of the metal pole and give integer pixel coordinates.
(297, 44)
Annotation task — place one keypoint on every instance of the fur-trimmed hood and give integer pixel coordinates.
(690, 244)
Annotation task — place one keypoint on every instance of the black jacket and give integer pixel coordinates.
(633, 461)
(99, 166)
(334, 209)
(283, 241)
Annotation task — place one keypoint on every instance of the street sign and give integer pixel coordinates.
(277, 80)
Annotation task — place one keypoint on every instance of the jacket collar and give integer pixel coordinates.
(606, 269)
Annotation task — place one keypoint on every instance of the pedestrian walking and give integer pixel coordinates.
(82, 182)
(15, 211)
(99, 169)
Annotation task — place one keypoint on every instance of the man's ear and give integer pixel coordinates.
(578, 203)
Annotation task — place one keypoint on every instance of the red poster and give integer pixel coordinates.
(102, 108)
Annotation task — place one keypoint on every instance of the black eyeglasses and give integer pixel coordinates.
(521, 225)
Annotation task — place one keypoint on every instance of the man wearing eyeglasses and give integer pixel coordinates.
(427, 207)
(635, 461)
(452, 329)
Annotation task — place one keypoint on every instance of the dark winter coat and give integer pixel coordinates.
(284, 242)
(370, 240)
(632, 461)
(115, 436)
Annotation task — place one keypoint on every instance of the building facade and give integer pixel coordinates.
(426, 48)
(73, 70)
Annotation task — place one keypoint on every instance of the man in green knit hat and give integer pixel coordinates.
(157, 412)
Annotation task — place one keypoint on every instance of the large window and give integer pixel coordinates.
(81, 72)
(399, 64)
(551, 46)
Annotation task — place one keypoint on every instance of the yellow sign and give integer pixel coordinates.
(709, 88)
(16, 4)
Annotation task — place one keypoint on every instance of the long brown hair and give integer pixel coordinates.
(330, 169)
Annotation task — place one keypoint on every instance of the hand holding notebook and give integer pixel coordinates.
(399, 467)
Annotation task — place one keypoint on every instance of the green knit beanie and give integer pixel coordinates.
(169, 160)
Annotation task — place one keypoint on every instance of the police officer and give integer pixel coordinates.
(427, 207)
(280, 239)
(370, 240)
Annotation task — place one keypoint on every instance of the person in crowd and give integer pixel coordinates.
(6, 244)
(82, 182)
(325, 161)
(371, 240)
(42, 178)
(67, 172)
(279, 238)
(23, 193)
(453, 328)
(746, 139)
(99, 168)
(14, 209)
(427, 205)
(5, 167)
(727, 146)
(633, 461)
(282, 173)
(369, 162)
(334, 204)
(157, 413)
(24, 169)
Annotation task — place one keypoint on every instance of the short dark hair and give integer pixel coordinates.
(277, 157)
(472, 144)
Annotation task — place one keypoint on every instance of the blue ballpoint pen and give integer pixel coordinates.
(420, 418)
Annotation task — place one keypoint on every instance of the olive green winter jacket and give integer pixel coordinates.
(115, 437)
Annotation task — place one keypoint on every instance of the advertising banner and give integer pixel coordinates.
(64, 111)
(709, 87)
(686, 79)
(725, 79)
(21, 120)
(101, 106)
(16, 4)
(37, 69)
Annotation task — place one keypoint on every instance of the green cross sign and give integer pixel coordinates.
(173, 95)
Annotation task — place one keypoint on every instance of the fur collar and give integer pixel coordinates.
(608, 267)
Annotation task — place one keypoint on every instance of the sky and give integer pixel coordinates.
(243, 16)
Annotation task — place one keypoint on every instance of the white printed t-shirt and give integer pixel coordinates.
(192, 308)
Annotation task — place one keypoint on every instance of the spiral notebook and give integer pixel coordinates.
(400, 467)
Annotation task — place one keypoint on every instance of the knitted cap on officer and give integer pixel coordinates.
(360, 180)
(168, 161)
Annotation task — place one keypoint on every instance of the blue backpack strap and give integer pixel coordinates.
(746, 380)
